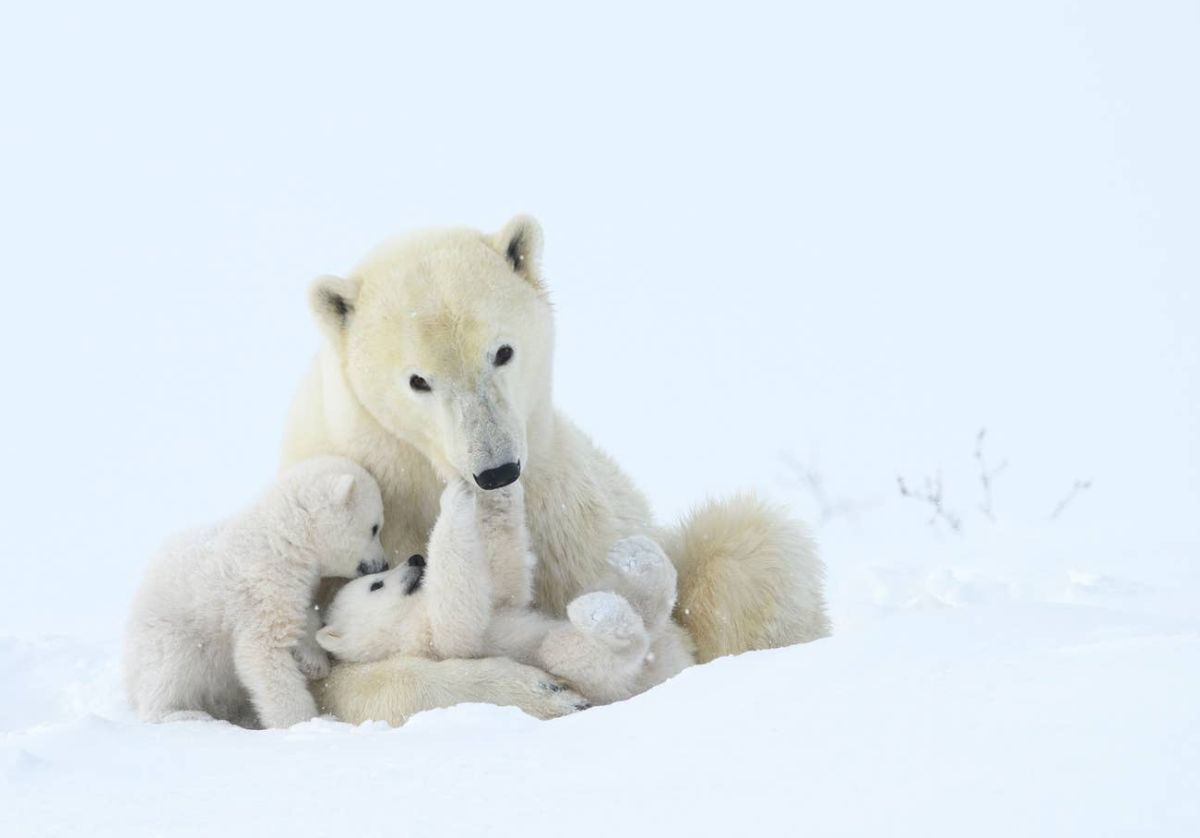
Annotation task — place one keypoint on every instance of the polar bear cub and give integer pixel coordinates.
(472, 599)
(223, 623)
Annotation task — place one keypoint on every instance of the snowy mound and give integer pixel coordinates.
(1003, 718)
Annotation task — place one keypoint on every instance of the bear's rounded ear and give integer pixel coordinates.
(520, 243)
(340, 489)
(332, 300)
(329, 640)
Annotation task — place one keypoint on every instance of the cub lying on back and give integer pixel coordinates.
(223, 623)
(472, 599)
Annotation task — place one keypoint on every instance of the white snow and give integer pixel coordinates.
(808, 250)
(1021, 719)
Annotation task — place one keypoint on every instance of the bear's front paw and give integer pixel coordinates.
(511, 684)
(558, 699)
(312, 660)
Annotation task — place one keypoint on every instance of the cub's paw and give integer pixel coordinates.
(606, 618)
(645, 576)
(187, 716)
(312, 660)
(458, 499)
(290, 711)
(506, 501)
(638, 555)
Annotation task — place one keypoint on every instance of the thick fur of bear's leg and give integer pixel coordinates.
(749, 578)
(394, 689)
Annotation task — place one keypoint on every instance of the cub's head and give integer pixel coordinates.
(445, 339)
(377, 616)
(343, 514)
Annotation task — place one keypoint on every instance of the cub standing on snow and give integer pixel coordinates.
(474, 600)
(223, 623)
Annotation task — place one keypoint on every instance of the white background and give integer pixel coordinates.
(854, 233)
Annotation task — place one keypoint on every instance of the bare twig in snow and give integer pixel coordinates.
(986, 475)
(1079, 488)
(932, 495)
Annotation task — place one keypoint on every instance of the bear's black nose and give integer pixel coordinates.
(416, 561)
(498, 477)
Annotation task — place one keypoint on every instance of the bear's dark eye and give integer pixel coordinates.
(375, 586)
(419, 384)
(374, 530)
(503, 355)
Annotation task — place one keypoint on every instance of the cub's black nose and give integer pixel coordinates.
(416, 561)
(414, 576)
(495, 478)
(372, 566)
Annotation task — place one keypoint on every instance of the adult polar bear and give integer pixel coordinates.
(438, 360)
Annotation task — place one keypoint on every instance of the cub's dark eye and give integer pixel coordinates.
(374, 530)
(419, 384)
(375, 586)
(503, 355)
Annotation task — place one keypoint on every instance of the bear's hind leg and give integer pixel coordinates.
(170, 677)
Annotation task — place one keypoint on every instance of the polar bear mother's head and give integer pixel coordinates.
(445, 338)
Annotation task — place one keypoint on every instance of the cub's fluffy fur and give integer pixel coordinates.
(472, 599)
(223, 623)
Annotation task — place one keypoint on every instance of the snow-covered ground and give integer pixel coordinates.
(1028, 719)
(807, 250)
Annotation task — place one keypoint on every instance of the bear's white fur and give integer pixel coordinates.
(472, 598)
(223, 623)
(414, 384)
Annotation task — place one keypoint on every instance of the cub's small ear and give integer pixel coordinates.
(332, 300)
(340, 489)
(329, 640)
(520, 243)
